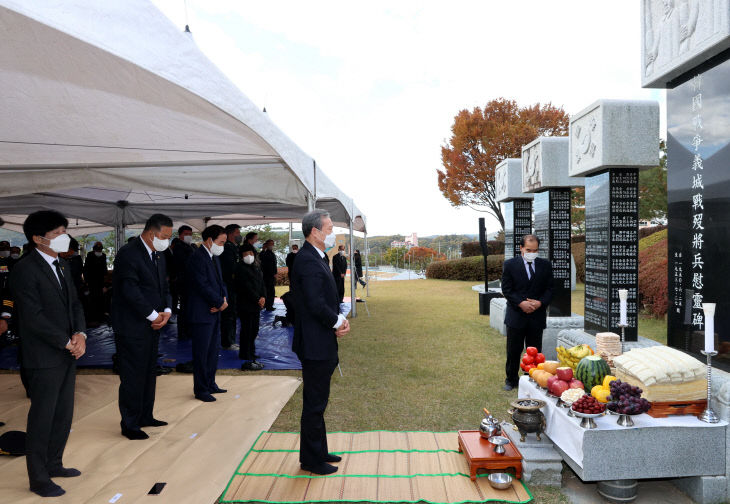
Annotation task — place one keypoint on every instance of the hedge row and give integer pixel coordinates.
(282, 277)
(472, 249)
(466, 268)
(579, 255)
(653, 288)
(648, 241)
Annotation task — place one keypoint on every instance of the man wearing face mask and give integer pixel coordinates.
(269, 270)
(229, 259)
(182, 250)
(527, 284)
(339, 270)
(206, 302)
(95, 271)
(317, 326)
(51, 320)
(76, 266)
(251, 298)
(290, 261)
(140, 308)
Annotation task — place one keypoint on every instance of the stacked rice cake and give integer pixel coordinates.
(608, 346)
(663, 373)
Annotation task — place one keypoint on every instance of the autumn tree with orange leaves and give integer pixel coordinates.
(481, 139)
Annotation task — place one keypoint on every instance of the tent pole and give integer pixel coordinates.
(353, 283)
(290, 233)
(310, 202)
(367, 267)
(118, 237)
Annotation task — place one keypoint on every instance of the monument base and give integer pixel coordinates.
(541, 463)
(555, 325)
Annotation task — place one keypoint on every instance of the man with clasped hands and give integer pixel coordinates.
(51, 322)
(317, 327)
(141, 306)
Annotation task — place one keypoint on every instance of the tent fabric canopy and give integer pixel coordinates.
(111, 113)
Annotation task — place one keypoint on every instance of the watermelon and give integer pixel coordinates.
(591, 371)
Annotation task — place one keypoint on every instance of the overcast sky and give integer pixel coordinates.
(370, 90)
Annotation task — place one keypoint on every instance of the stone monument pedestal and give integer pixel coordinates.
(541, 463)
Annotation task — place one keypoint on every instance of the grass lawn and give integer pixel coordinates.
(649, 327)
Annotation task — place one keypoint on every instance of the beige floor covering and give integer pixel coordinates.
(195, 455)
(427, 467)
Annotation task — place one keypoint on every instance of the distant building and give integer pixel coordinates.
(408, 242)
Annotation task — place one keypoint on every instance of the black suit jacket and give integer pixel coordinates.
(268, 263)
(516, 288)
(44, 318)
(206, 289)
(317, 306)
(339, 265)
(249, 284)
(138, 289)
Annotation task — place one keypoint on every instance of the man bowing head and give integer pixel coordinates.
(317, 327)
(141, 306)
(50, 319)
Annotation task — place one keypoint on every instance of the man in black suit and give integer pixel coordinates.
(206, 300)
(339, 270)
(140, 308)
(269, 270)
(527, 284)
(94, 274)
(51, 320)
(316, 329)
(182, 249)
(290, 261)
(229, 259)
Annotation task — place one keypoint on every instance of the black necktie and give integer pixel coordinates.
(532, 271)
(64, 288)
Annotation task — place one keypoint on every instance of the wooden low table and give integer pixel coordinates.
(480, 454)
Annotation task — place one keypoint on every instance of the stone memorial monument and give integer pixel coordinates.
(610, 141)
(516, 205)
(545, 166)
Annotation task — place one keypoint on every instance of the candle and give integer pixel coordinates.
(709, 309)
(623, 296)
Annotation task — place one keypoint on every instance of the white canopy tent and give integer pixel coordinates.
(111, 114)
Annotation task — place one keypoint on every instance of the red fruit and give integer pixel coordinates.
(559, 386)
(529, 366)
(565, 373)
(540, 358)
(522, 366)
(528, 359)
(531, 350)
(550, 382)
(576, 384)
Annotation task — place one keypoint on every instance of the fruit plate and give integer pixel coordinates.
(586, 419)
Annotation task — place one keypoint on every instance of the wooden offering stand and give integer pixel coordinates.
(663, 409)
(479, 454)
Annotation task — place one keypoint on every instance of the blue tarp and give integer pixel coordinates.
(273, 345)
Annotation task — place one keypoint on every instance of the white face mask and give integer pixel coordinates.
(4, 253)
(295, 251)
(530, 256)
(342, 252)
(98, 254)
(160, 245)
(14, 256)
(330, 240)
(248, 259)
(188, 239)
(60, 243)
(216, 249)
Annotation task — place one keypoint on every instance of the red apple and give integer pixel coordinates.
(552, 380)
(539, 358)
(576, 384)
(559, 386)
(528, 359)
(531, 350)
(565, 373)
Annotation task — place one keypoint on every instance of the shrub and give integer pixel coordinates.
(644, 232)
(282, 277)
(579, 255)
(651, 239)
(466, 268)
(578, 238)
(653, 288)
(472, 249)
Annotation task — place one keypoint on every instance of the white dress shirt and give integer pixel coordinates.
(340, 317)
(153, 316)
(527, 267)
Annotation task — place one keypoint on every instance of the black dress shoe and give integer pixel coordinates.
(332, 458)
(134, 433)
(219, 391)
(64, 472)
(205, 397)
(49, 489)
(507, 387)
(153, 423)
(321, 469)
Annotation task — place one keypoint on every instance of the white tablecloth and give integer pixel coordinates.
(567, 433)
